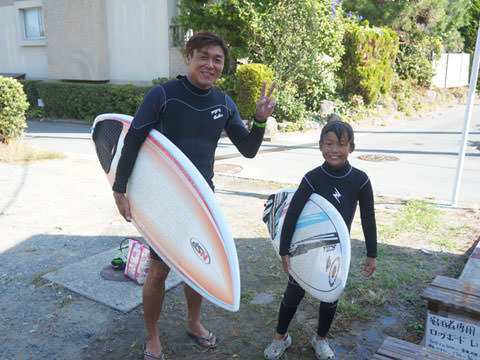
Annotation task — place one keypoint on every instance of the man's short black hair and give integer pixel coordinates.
(338, 128)
(202, 39)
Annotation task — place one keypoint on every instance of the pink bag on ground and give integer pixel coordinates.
(138, 261)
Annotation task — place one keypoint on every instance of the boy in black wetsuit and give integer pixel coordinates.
(192, 114)
(343, 186)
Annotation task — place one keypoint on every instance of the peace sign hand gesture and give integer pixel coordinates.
(265, 103)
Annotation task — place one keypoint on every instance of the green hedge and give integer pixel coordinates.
(248, 83)
(367, 65)
(30, 89)
(84, 101)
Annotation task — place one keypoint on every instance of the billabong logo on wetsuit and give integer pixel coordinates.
(216, 114)
(337, 195)
(200, 250)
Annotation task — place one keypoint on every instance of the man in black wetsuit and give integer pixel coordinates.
(192, 114)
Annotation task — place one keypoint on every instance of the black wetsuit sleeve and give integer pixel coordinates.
(297, 204)
(246, 142)
(131, 145)
(144, 120)
(367, 214)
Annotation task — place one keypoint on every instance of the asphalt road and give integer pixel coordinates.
(413, 158)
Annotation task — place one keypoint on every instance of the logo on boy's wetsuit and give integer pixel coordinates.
(216, 114)
(336, 194)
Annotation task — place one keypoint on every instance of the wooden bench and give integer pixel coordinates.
(453, 317)
(396, 349)
(447, 296)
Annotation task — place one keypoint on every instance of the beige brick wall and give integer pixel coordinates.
(77, 45)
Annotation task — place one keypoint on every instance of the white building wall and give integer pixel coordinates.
(16, 58)
(137, 40)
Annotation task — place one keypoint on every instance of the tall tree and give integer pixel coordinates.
(300, 39)
(237, 21)
(469, 31)
(412, 19)
(303, 44)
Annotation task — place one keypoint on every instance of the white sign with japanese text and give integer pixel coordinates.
(454, 337)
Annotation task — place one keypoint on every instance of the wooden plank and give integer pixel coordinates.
(397, 349)
(379, 357)
(460, 302)
(457, 285)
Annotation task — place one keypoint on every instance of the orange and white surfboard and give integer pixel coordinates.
(175, 211)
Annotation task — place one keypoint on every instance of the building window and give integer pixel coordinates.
(33, 28)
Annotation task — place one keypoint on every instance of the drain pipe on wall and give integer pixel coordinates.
(468, 117)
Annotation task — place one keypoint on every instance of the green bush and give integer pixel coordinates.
(302, 43)
(289, 106)
(367, 63)
(249, 79)
(440, 18)
(415, 61)
(402, 92)
(30, 89)
(86, 101)
(13, 104)
(226, 83)
(83, 101)
(161, 80)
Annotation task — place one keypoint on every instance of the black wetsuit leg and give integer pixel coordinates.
(288, 307)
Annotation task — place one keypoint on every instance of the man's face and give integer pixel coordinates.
(206, 66)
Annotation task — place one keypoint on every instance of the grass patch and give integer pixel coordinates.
(66, 300)
(416, 215)
(38, 276)
(404, 268)
(19, 153)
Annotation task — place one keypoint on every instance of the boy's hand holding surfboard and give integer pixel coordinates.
(319, 257)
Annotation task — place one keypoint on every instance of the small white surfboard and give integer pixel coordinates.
(320, 247)
(175, 211)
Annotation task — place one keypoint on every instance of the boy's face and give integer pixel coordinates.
(335, 151)
(206, 66)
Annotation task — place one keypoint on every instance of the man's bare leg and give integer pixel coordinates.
(194, 326)
(153, 294)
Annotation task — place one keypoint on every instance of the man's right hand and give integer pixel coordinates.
(286, 264)
(123, 205)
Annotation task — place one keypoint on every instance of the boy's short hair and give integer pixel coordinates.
(338, 128)
(202, 39)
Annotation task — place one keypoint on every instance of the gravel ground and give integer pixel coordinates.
(53, 213)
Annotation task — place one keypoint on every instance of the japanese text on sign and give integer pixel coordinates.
(454, 337)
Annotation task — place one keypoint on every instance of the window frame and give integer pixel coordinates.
(20, 8)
